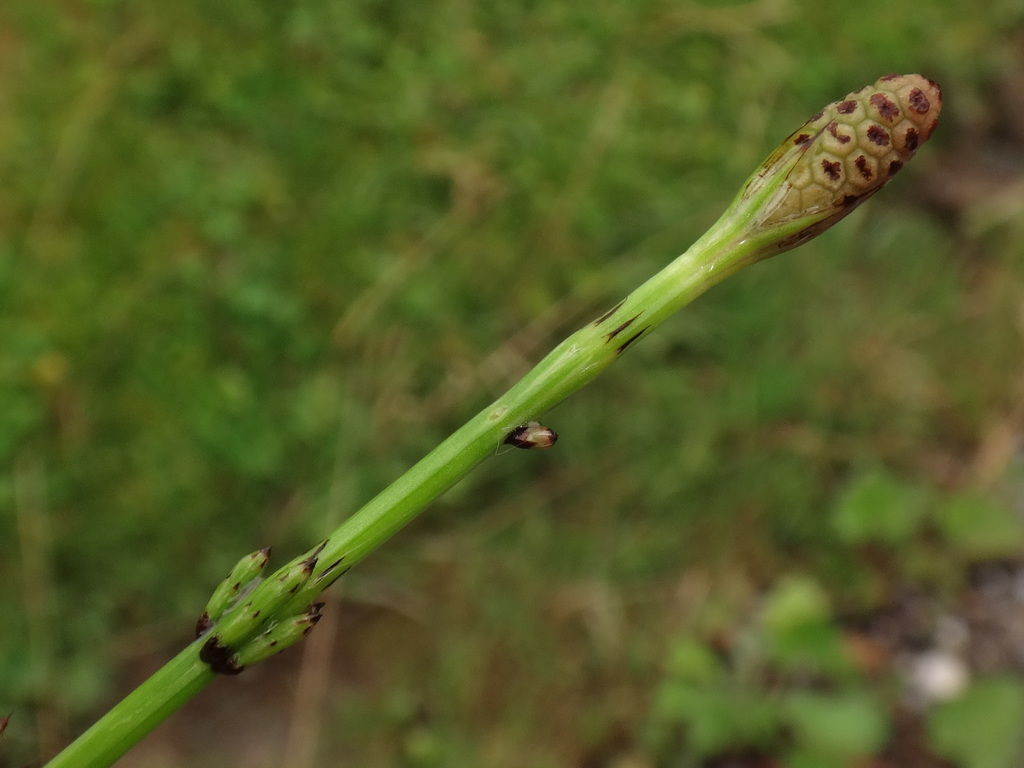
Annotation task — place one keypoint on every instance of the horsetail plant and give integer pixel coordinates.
(819, 174)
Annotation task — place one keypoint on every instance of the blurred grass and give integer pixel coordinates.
(256, 258)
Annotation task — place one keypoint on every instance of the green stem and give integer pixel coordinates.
(785, 202)
(139, 712)
(568, 367)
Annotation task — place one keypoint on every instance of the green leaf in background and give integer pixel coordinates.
(702, 701)
(878, 507)
(795, 601)
(719, 718)
(802, 759)
(837, 726)
(799, 634)
(981, 527)
(692, 661)
(983, 728)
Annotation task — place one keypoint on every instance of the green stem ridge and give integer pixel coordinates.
(797, 193)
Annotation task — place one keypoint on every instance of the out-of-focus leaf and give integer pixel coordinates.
(843, 725)
(980, 527)
(878, 507)
(716, 718)
(796, 601)
(798, 631)
(692, 661)
(982, 729)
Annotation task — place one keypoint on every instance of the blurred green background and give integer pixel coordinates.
(258, 257)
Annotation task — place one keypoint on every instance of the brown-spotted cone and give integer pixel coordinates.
(851, 148)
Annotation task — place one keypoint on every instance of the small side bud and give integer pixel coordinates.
(532, 435)
(242, 576)
(3, 723)
(280, 636)
(836, 161)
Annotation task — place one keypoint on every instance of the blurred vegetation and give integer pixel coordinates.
(258, 257)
